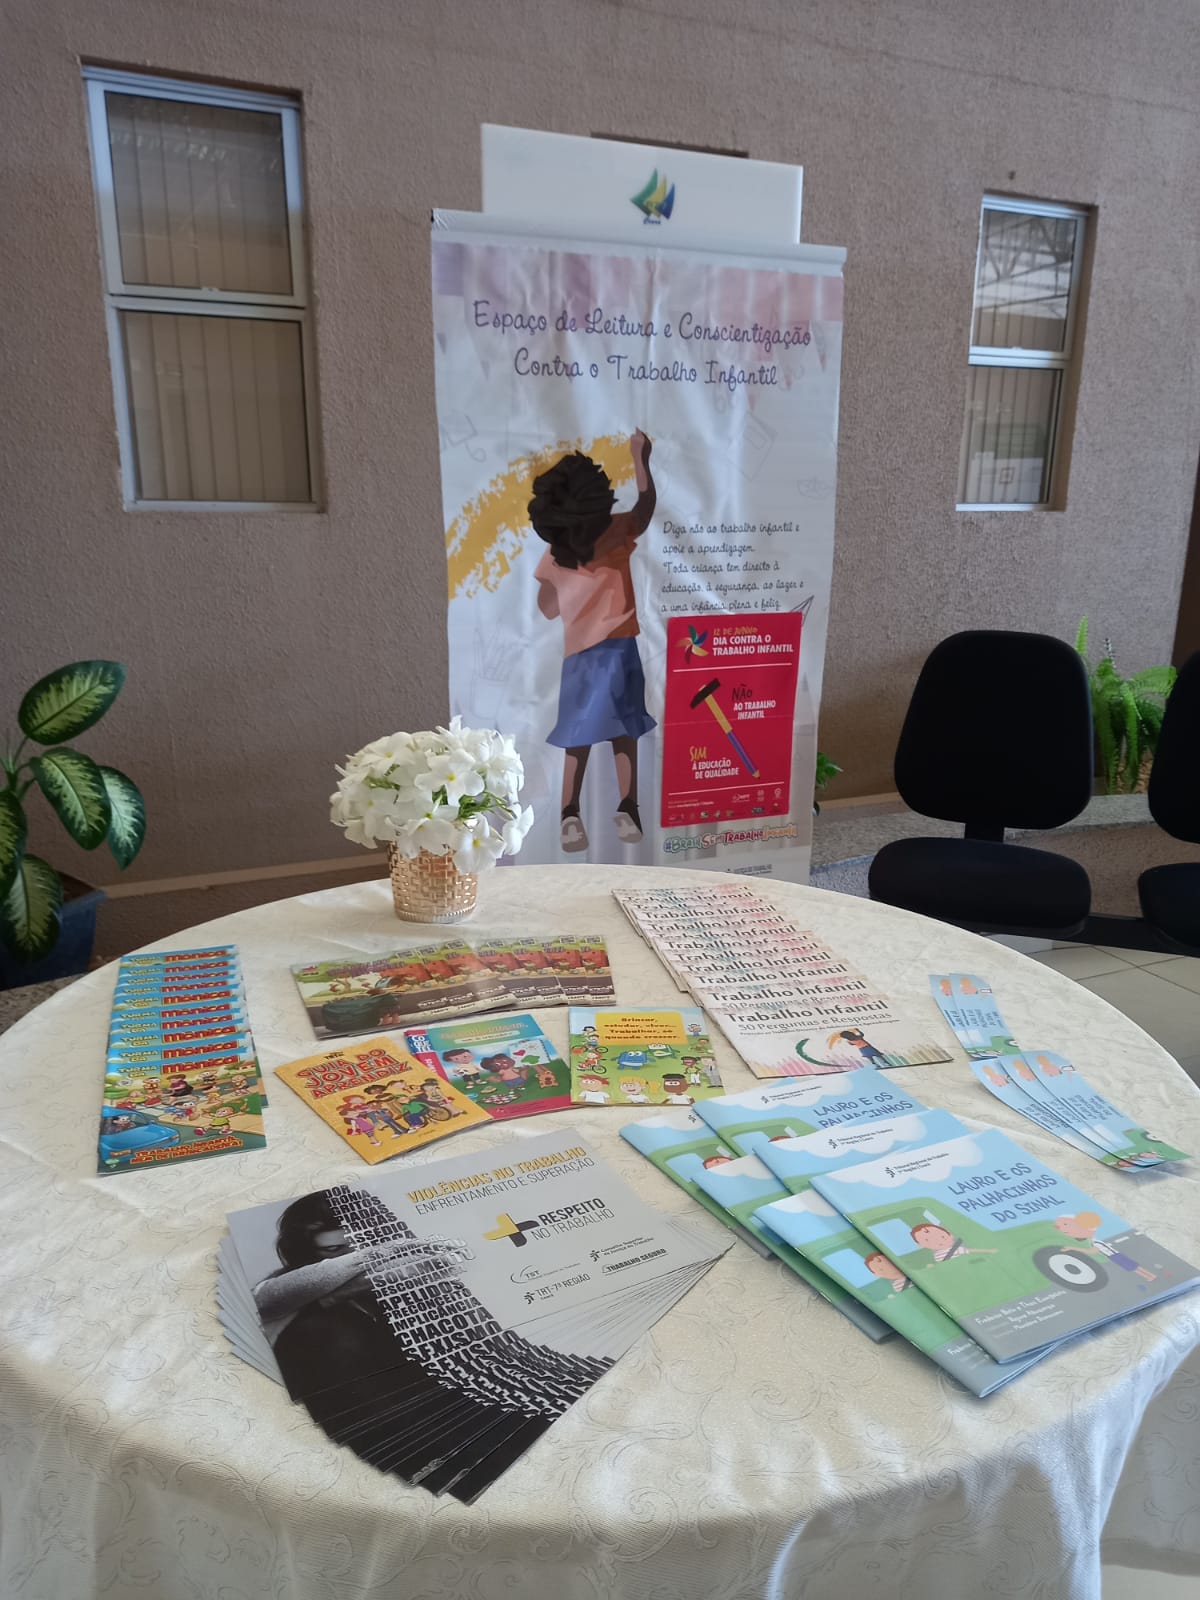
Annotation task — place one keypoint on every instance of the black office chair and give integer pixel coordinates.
(998, 734)
(1170, 896)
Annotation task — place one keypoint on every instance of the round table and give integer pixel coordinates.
(753, 1444)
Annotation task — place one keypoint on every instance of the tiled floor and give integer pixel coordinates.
(1159, 993)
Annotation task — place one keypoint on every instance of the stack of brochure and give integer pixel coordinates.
(787, 1003)
(436, 1321)
(430, 982)
(182, 1078)
(904, 1219)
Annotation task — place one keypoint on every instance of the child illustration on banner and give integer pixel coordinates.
(584, 579)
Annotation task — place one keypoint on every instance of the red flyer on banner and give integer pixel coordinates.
(727, 734)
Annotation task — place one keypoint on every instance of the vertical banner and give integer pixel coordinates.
(638, 453)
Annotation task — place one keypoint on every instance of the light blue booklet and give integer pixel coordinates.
(823, 1236)
(965, 1000)
(1052, 1079)
(796, 1161)
(1015, 1254)
(680, 1145)
(742, 1187)
(798, 1106)
(1011, 1092)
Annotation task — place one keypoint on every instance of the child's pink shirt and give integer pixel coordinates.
(596, 601)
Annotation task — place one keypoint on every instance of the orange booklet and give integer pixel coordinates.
(380, 1099)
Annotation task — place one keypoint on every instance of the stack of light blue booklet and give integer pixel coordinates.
(908, 1221)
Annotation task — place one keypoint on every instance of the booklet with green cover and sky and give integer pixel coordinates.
(1015, 1254)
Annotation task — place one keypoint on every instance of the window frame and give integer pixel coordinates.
(199, 301)
(1017, 356)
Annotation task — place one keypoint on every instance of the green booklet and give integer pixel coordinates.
(823, 1236)
(1018, 1256)
(680, 1145)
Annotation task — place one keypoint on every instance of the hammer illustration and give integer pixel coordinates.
(704, 696)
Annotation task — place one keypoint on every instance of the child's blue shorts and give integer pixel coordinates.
(602, 696)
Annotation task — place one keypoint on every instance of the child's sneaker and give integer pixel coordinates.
(629, 824)
(573, 834)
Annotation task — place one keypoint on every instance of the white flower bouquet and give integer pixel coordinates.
(451, 792)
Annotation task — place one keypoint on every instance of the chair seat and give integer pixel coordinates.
(1170, 899)
(991, 887)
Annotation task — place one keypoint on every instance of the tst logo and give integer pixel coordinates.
(656, 199)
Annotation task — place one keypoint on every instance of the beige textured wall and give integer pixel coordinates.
(262, 647)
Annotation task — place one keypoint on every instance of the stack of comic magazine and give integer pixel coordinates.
(182, 1079)
(908, 1221)
(433, 982)
(787, 1003)
(437, 1320)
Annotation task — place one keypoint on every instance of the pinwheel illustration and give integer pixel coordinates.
(693, 645)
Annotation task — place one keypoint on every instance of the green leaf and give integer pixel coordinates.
(127, 826)
(73, 785)
(29, 911)
(65, 702)
(12, 838)
(1106, 740)
(1151, 715)
(1153, 680)
(1133, 739)
(1081, 637)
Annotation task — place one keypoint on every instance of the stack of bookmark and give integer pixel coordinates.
(1041, 1084)
(182, 1079)
(787, 1003)
(905, 1220)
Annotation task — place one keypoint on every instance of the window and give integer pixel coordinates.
(201, 228)
(1026, 289)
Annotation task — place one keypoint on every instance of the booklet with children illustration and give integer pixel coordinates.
(742, 1186)
(437, 1320)
(681, 1144)
(182, 1079)
(504, 1065)
(660, 1055)
(447, 979)
(1018, 1256)
(786, 1110)
(382, 1101)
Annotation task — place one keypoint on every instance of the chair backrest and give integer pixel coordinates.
(1175, 776)
(998, 733)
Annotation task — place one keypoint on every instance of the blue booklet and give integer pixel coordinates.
(1018, 1256)
(742, 1187)
(798, 1106)
(1011, 1092)
(680, 1145)
(797, 1161)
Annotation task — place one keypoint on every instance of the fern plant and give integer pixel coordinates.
(95, 804)
(1127, 714)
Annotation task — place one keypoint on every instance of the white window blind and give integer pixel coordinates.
(1026, 291)
(201, 221)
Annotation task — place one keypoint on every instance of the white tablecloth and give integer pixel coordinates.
(754, 1444)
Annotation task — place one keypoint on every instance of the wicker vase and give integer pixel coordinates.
(430, 888)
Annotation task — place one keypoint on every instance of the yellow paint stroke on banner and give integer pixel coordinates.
(490, 531)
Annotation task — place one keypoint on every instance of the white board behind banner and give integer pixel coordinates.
(652, 632)
(578, 184)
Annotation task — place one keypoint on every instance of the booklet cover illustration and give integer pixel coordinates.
(1018, 1256)
(655, 1056)
(1052, 1081)
(787, 1110)
(504, 1065)
(435, 980)
(382, 1101)
(742, 1187)
(680, 1145)
(437, 1320)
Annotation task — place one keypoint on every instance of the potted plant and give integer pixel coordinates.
(1127, 714)
(46, 930)
(827, 770)
(445, 804)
